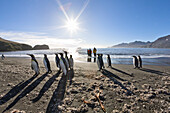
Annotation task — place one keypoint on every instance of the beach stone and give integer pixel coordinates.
(17, 111)
(67, 101)
(120, 100)
(89, 89)
(74, 90)
(61, 108)
(83, 108)
(115, 111)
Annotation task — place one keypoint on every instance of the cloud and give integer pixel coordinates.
(33, 38)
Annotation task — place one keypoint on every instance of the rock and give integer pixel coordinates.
(17, 111)
(74, 90)
(89, 89)
(83, 108)
(61, 108)
(115, 111)
(120, 100)
(67, 101)
(39, 47)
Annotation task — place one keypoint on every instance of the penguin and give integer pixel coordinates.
(99, 62)
(71, 62)
(66, 59)
(63, 64)
(102, 61)
(57, 60)
(135, 62)
(47, 64)
(34, 64)
(139, 61)
(109, 61)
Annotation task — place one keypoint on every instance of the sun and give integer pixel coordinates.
(72, 25)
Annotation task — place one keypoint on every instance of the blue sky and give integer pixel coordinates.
(102, 23)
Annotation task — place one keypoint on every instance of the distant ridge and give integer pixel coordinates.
(162, 42)
(136, 44)
(6, 45)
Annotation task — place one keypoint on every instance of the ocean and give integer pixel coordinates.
(150, 56)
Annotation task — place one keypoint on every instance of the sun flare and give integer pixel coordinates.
(72, 25)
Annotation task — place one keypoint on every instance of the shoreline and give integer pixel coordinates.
(121, 87)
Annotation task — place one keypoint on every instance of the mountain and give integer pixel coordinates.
(38, 47)
(6, 45)
(163, 42)
(136, 44)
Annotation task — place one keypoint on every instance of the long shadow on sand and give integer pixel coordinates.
(106, 72)
(71, 76)
(121, 71)
(153, 71)
(110, 75)
(59, 93)
(26, 91)
(46, 86)
(15, 90)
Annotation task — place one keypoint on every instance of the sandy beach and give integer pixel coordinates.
(120, 88)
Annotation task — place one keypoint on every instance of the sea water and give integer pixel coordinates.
(150, 56)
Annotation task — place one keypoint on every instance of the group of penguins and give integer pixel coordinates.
(137, 61)
(63, 63)
(100, 62)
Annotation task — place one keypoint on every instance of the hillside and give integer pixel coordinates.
(136, 44)
(163, 42)
(6, 45)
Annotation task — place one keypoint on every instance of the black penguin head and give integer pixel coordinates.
(134, 56)
(65, 52)
(32, 56)
(61, 54)
(56, 54)
(70, 56)
(45, 55)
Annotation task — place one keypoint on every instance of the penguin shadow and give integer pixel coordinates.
(112, 77)
(27, 90)
(16, 89)
(121, 71)
(46, 86)
(71, 76)
(108, 73)
(58, 96)
(153, 71)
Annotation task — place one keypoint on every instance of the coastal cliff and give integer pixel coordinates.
(6, 45)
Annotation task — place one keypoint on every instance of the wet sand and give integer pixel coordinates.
(120, 88)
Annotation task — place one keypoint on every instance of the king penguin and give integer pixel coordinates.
(135, 62)
(109, 61)
(102, 61)
(57, 60)
(34, 64)
(63, 64)
(66, 59)
(47, 64)
(71, 62)
(99, 61)
(139, 61)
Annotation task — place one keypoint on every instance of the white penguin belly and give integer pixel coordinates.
(67, 63)
(35, 66)
(45, 64)
(63, 67)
